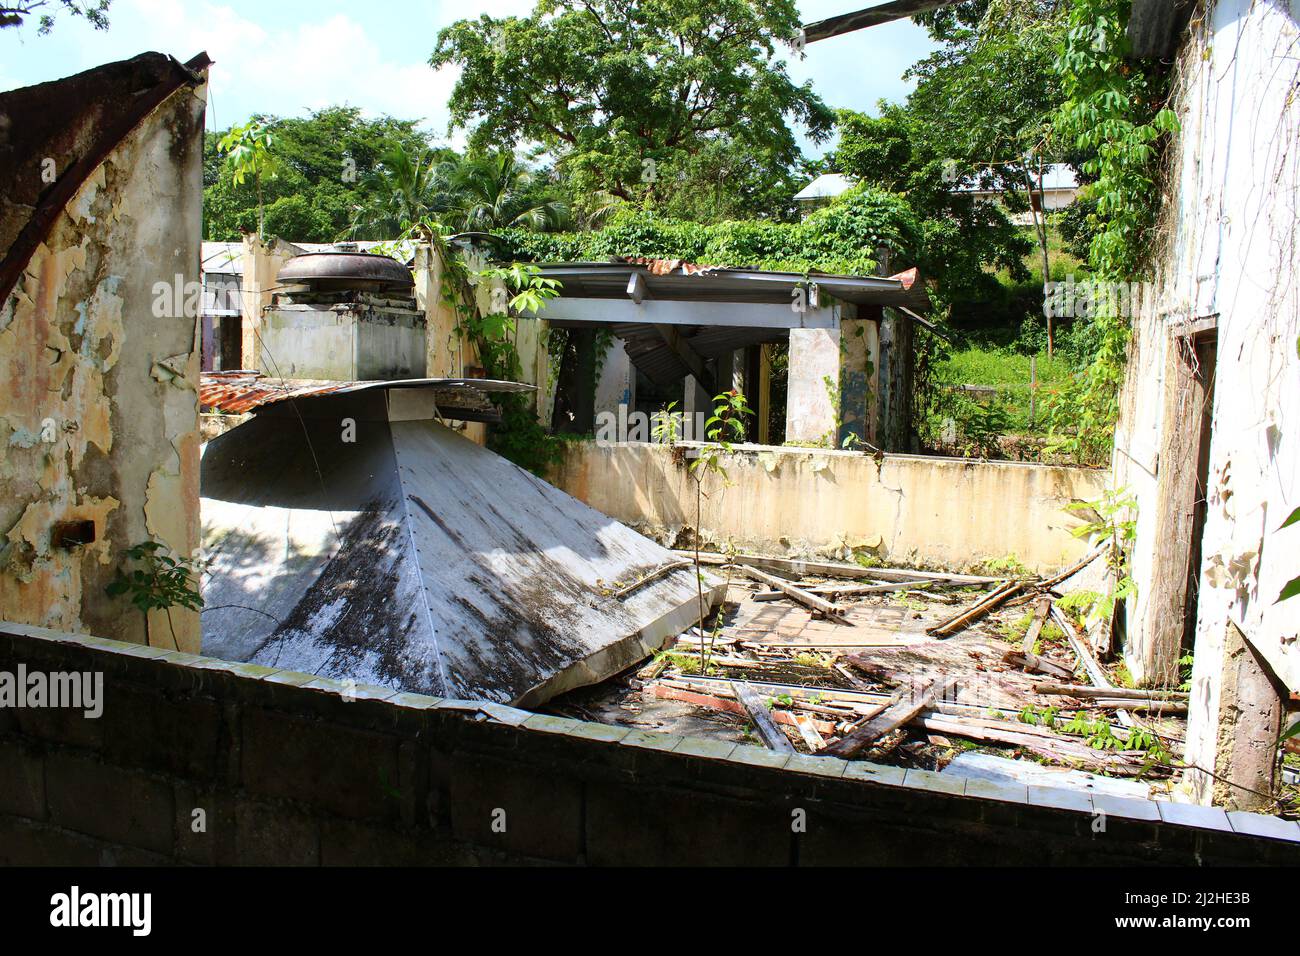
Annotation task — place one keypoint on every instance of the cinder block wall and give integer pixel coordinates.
(286, 770)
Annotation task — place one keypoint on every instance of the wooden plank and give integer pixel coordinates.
(799, 594)
(848, 590)
(1035, 628)
(1090, 664)
(762, 718)
(833, 569)
(1074, 569)
(981, 607)
(1037, 665)
(893, 718)
(1118, 693)
(1169, 708)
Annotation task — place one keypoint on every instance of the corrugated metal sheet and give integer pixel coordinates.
(414, 559)
(240, 392)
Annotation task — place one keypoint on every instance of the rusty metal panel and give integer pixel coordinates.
(417, 560)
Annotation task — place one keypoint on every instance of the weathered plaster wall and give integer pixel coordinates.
(98, 410)
(929, 511)
(1232, 253)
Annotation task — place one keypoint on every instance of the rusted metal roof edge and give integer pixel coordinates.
(241, 392)
(47, 211)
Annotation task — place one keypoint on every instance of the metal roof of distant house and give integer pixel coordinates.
(1058, 176)
(677, 280)
(825, 186)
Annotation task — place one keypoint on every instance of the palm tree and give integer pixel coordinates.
(498, 192)
(405, 191)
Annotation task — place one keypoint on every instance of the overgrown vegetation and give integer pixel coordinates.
(155, 580)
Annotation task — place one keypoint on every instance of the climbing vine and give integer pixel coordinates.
(1114, 113)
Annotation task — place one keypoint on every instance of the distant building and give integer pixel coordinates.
(822, 190)
(1060, 189)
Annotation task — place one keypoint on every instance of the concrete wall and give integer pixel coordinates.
(99, 358)
(344, 343)
(904, 509)
(198, 761)
(1231, 253)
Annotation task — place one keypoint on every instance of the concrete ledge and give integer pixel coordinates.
(287, 768)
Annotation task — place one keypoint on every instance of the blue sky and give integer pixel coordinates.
(288, 57)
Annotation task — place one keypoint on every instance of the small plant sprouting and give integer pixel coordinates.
(159, 582)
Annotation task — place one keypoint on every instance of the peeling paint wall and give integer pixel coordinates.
(1232, 254)
(99, 413)
(910, 509)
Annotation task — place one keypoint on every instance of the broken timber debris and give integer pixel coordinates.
(832, 569)
(762, 718)
(891, 719)
(833, 611)
(848, 590)
(1036, 664)
(1036, 626)
(981, 607)
(1118, 693)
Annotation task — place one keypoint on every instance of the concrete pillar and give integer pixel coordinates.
(262, 262)
(894, 382)
(860, 337)
(1237, 712)
(617, 382)
(697, 408)
(812, 394)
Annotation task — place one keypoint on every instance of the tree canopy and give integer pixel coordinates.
(16, 12)
(648, 101)
(323, 163)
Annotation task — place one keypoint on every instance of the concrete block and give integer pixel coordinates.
(350, 772)
(709, 749)
(27, 843)
(648, 826)
(1060, 799)
(934, 782)
(348, 843)
(1194, 815)
(207, 838)
(271, 834)
(22, 781)
(875, 773)
(516, 809)
(163, 732)
(818, 766)
(1259, 825)
(114, 804)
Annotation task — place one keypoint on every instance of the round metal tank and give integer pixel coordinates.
(346, 270)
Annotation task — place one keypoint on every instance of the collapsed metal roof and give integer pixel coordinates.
(414, 559)
(461, 399)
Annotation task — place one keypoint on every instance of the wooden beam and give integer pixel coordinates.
(1035, 628)
(762, 718)
(690, 358)
(799, 594)
(891, 719)
(1037, 665)
(636, 288)
(835, 569)
(1119, 693)
(981, 607)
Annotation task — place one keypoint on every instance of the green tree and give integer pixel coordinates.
(626, 96)
(325, 164)
(498, 192)
(405, 190)
(248, 153)
(15, 14)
